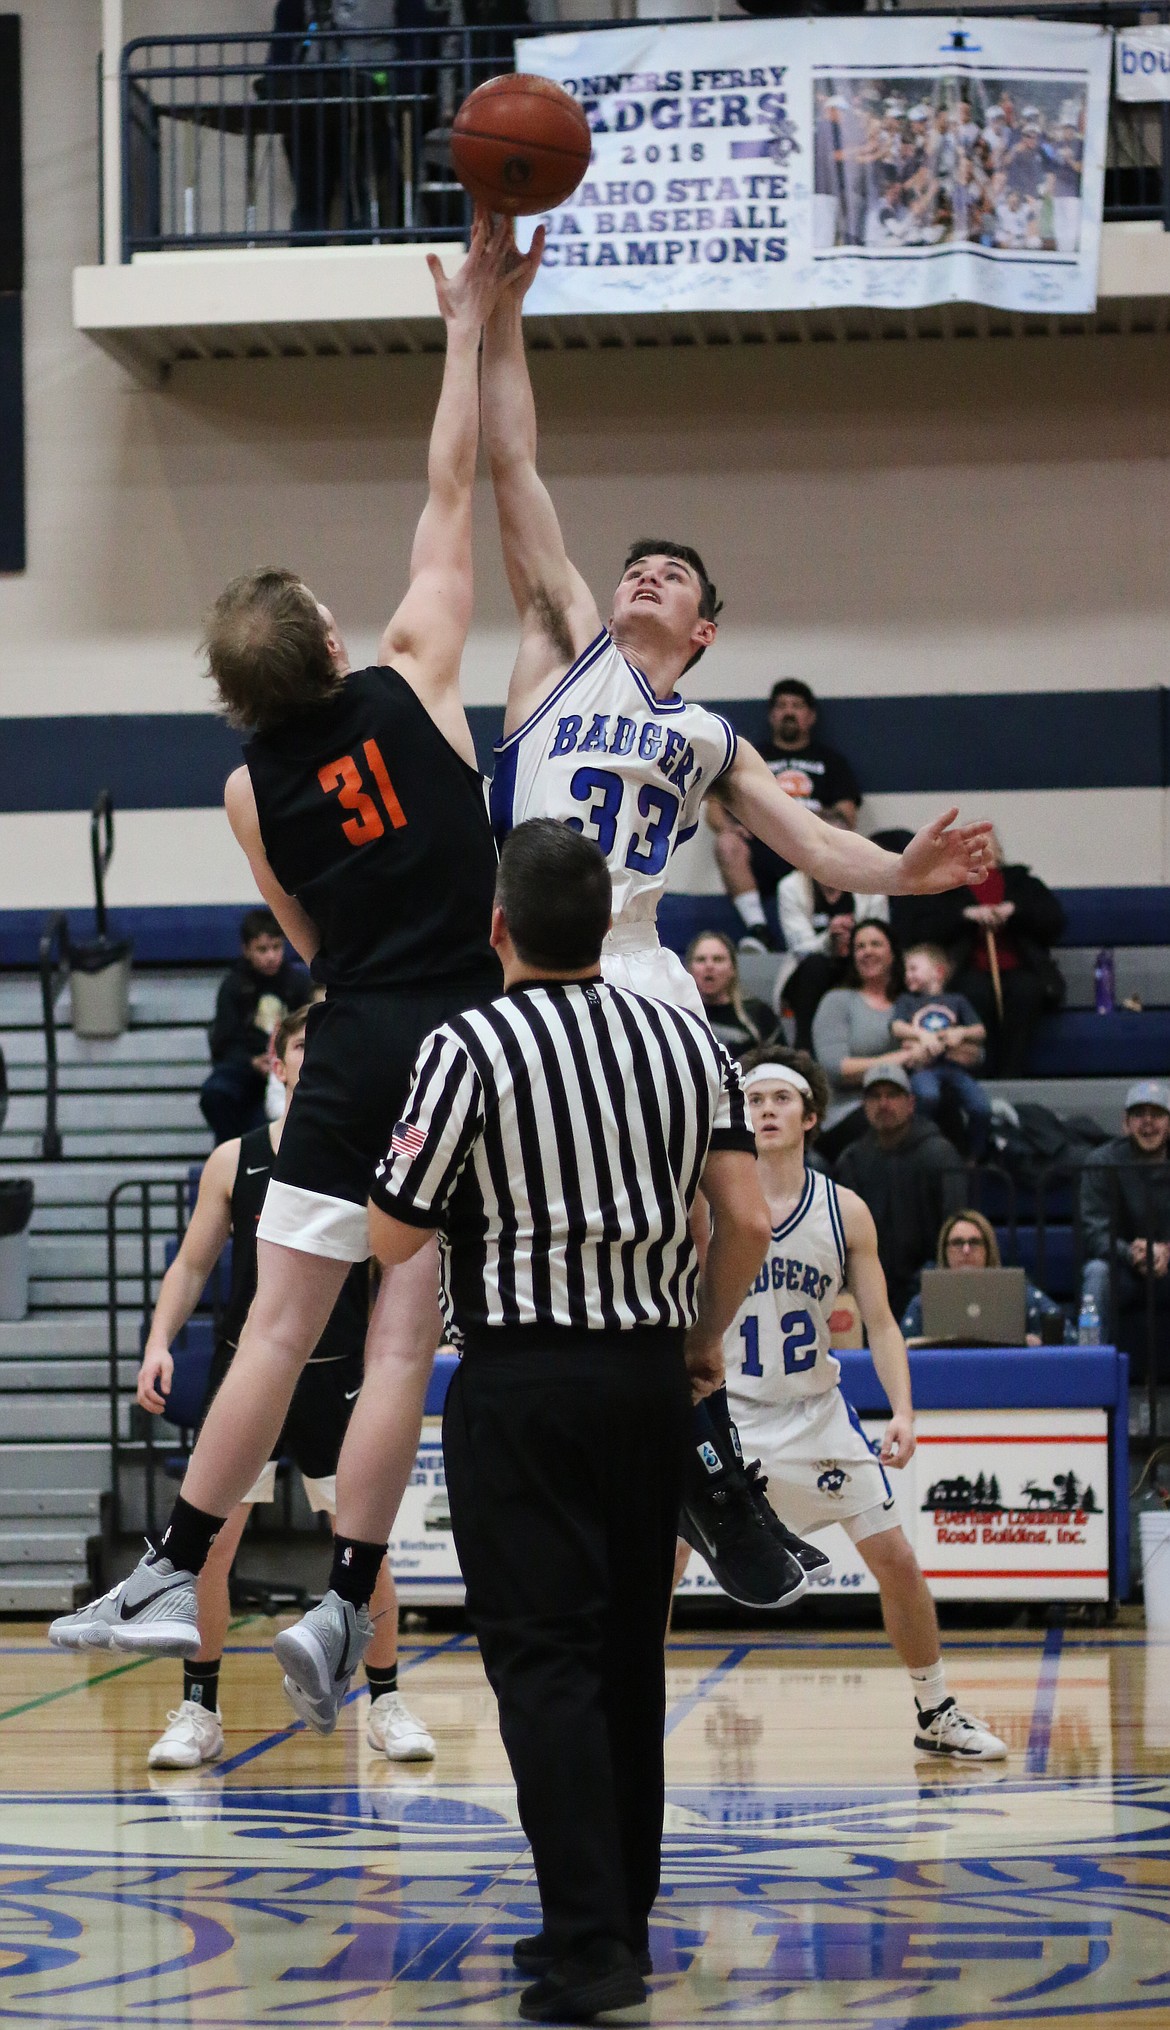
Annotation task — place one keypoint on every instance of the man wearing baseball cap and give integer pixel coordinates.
(1125, 1210)
(908, 1174)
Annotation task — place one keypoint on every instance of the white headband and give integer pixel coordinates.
(782, 1074)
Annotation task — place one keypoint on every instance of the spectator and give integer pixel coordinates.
(257, 994)
(816, 925)
(908, 1175)
(851, 1029)
(302, 82)
(967, 1241)
(947, 1038)
(807, 769)
(1125, 1193)
(738, 1021)
(1015, 913)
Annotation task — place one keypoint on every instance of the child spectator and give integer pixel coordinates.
(946, 1040)
(257, 994)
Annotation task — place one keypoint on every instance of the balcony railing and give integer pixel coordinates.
(234, 140)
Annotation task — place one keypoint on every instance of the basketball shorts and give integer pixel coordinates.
(360, 1051)
(314, 1429)
(819, 1464)
(632, 957)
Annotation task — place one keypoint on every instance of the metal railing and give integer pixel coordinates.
(53, 962)
(233, 140)
(146, 1211)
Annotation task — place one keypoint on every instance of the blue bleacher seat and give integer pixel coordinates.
(1077, 1043)
(1059, 1277)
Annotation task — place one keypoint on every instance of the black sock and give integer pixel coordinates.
(380, 1681)
(719, 1411)
(188, 1536)
(355, 1569)
(201, 1683)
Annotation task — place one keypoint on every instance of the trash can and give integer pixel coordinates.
(16, 1204)
(99, 984)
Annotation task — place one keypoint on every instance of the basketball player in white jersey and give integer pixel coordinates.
(595, 732)
(782, 1382)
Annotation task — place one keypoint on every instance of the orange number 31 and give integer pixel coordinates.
(344, 777)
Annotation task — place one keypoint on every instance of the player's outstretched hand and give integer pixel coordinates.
(945, 855)
(898, 1440)
(468, 297)
(521, 270)
(154, 1380)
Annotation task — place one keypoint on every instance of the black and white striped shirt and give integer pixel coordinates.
(556, 1139)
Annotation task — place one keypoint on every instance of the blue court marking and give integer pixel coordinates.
(1040, 1732)
(734, 1656)
(298, 1726)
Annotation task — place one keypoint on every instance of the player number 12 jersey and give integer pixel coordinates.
(777, 1351)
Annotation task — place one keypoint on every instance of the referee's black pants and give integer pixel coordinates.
(565, 1455)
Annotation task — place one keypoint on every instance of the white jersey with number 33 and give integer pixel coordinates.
(627, 769)
(777, 1351)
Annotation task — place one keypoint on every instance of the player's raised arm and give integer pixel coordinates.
(558, 613)
(942, 855)
(425, 639)
(864, 1275)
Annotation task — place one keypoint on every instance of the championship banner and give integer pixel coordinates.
(791, 165)
(1143, 64)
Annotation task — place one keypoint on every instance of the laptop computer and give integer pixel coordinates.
(974, 1307)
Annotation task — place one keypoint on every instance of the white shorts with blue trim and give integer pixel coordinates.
(819, 1465)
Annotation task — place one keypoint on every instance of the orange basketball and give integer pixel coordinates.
(520, 144)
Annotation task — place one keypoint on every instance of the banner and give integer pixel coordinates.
(1143, 63)
(789, 165)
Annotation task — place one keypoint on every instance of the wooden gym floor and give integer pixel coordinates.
(815, 1873)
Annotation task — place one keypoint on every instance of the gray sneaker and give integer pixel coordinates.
(88, 1627)
(156, 1613)
(319, 1655)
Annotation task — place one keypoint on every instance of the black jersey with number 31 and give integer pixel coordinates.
(380, 830)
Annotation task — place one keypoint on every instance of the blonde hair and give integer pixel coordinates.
(994, 1258)
(735, 991)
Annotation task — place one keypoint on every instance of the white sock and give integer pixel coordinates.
(930, 1687)
(751, 908)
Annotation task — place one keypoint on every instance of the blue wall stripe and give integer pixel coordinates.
(938, 744)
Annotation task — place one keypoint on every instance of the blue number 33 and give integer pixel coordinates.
(602, 790)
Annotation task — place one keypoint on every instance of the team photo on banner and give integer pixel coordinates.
(786, 165)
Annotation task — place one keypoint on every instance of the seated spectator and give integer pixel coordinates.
(807, 769)
(908, 1175)
(967, 1241)
(1125, 1215)
(257, 994)
(816, 925)
(740, 1023)
(851, 1029)
(1013, 914)
(947, 1038)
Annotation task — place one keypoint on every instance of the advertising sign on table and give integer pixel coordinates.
(998, 1504)
(785, 165)
(1143, 63)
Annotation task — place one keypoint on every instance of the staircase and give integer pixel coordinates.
(127, 1108)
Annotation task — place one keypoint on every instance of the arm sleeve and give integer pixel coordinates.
(231, 1033)
(429, 1146)
(731, 1129)
(830, 1031)
(1095, 1212)
(1038, 913)
(796, 924)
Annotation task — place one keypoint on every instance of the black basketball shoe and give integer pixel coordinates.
(721, 1520)
(808, 1556)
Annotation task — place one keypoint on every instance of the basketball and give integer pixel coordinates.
(520, 144)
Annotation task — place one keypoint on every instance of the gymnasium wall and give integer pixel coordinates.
(961, 546)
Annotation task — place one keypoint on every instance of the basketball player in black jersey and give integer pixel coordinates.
(363, 817)
(231, 1195)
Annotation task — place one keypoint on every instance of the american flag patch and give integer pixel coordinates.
(405, 1140)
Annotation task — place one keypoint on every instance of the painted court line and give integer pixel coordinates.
(283, 1734)
(1040, 1732)
(678, 1713)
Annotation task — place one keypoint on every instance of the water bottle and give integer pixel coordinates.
(1103, 982)
(1088, 1324)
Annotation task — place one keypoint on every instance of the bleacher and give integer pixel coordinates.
(128, 1109)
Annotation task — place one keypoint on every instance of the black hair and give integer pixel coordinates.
(710, 605)
(554, 889)
(896, 984)
(797, 687)
(258, 923)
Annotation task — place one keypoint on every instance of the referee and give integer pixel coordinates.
(556, 1138)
